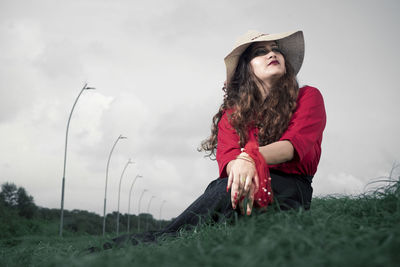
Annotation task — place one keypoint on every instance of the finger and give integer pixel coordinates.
(256, 182)
(250, 202)
(240, 188)
(234, 198)
(235, 191)
(250, 199)
(247, 185)
(230, 180)
(241, 206)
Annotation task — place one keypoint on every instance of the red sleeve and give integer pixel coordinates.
(307, 122)
(228, 147)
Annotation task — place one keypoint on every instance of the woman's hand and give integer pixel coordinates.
(250, 198)
(243, 181)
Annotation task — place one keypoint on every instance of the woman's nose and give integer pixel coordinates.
(271, 55)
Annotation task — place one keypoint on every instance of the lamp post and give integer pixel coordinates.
(119, 191)
(140, 200)
(148, 209)
(129, 201)
(162, 204)
(85, 87)
(105, 191)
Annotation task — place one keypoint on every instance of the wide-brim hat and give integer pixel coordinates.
(291, 44)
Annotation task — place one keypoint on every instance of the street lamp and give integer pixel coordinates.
(105, 191)
(162, 204)
(129, 201)
(140, 200)
(119, 191)
(85, 87)
(148, 209)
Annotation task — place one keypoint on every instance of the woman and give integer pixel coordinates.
(266, 135)
(264, 109)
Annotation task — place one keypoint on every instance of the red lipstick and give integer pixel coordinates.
(273, 62)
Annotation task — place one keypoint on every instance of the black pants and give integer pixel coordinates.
(290, 192)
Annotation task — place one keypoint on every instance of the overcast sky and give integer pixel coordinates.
(158, 71)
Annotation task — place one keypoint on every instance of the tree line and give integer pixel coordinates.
(20, 216)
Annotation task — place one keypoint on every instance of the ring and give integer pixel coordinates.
(243, 179)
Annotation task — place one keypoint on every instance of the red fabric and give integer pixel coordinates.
(304, 132)
(264, 194)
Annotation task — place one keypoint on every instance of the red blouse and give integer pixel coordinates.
(304, 132)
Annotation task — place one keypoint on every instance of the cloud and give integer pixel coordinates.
(21, 43)
(338, 183)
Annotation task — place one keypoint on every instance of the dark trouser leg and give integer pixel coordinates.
(291, 191)
(214, 204)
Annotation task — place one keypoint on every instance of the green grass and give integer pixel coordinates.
(337, 231)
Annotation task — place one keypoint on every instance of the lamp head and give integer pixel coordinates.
(88, 87)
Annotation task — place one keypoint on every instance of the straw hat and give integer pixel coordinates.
(291, 44)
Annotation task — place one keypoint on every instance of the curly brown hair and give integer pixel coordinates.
(242, 95)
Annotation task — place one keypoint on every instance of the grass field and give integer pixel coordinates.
(337, 231)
